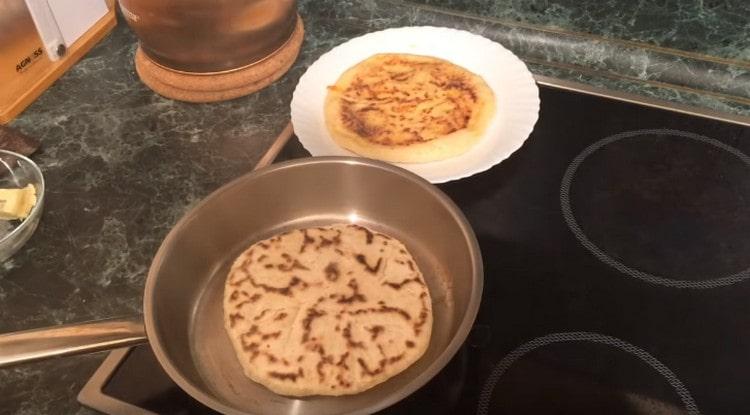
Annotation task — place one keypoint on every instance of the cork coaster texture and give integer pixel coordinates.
(220, 86)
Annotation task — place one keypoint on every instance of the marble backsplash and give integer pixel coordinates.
(716, 28)
(619, 50)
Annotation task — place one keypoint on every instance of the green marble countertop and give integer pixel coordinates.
(122, 164)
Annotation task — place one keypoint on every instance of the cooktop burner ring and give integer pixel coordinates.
(506, 362)
(573, 225)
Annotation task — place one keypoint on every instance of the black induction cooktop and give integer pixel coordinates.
(616, 246)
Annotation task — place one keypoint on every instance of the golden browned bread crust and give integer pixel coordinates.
(408, 108)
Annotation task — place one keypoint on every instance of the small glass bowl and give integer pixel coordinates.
(17, 171)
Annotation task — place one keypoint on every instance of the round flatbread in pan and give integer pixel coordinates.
(408, 108)
(326, 311)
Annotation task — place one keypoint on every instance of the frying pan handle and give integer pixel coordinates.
(71, 339)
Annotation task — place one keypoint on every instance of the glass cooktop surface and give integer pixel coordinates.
(616, 255)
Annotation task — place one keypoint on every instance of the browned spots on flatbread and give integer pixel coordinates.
(278, 237)
(294, 265)
(255, 297)
(286, 291)
(235, 282)
(306, 240)
(423, 313)
(369, 236)
(411, 264)
(375, 331)
(350, 343)
(371, 269)
(287, 375)
(247, 262)
(410, 344)
(252, 348)
(342, 382)
(312, 314)
(332, 271)
(234, 317)
(264, 245)
(380, 349)
(319, 369)
(338, 251)
(395, 359)
(262, 258)
(398, 285)
(274, 335)
(324, 242)
(324, 360)
(254, 331)
(268, 266)
(352, 120)
(356, 295)
(335, 241)
(260, 316)
(383, 309)
(280, 316)
(381, 364)
(342, 361)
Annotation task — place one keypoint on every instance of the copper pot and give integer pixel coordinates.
(210, 36)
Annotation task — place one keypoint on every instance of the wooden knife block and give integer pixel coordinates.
(26, 71)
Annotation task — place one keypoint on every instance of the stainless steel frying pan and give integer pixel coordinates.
(183, 296)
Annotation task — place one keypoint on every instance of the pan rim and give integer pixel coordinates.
(443, 358)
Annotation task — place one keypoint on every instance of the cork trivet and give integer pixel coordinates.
(223, 85)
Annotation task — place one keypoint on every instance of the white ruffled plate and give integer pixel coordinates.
(514, 87)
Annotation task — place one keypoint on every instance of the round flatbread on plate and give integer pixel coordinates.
(408, 108)
(516, 96)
